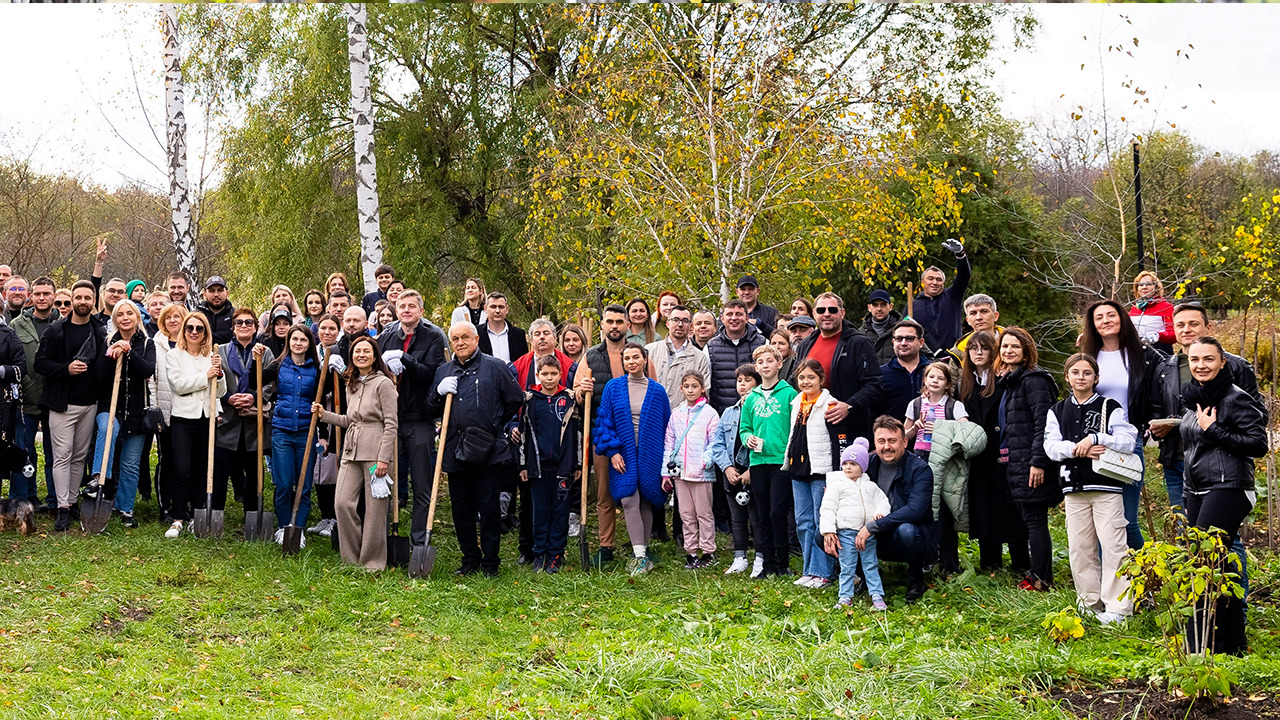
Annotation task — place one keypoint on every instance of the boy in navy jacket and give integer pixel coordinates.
(548, 439)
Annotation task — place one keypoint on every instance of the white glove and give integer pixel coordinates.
(448, 386)
(380, 487)
(1151, 338)
(390, 355)
(953, 245)
(336, 363)
(395, 366)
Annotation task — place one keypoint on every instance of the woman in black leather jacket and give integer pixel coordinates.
(1223, 430)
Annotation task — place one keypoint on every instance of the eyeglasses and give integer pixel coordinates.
(905, 339)
(62, 303)
(246, 322)
(826, 310)
(678, 321)
(17, 288)
(1146, 284)
(195, 329)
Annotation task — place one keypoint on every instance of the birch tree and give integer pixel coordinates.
(184, 241)
(362, 123)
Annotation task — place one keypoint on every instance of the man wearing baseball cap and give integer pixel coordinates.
(764, 317)
(878, 323)
(217, 308)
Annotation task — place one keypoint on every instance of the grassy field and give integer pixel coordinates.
(130, 624)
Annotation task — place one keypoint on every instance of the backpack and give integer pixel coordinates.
(948, 409)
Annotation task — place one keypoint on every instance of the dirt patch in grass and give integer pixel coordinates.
(114, 625)
(1140, 702)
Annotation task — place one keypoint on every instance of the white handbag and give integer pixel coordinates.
(1125, 467)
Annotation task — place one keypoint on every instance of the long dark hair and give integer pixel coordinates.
(311, 343)
(1130, 343)
(649, 335)
(969, 371)
(352, 374)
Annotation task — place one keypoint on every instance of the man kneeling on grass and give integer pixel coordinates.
(908, 482)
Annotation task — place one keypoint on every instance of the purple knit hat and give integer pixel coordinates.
(856, 453)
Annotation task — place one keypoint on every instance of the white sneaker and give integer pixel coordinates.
(803, 581)
(1110, 618)
(318, 527)
(739, 565)
(575, 527)
(302, 541)
(279, 536)
(327, 527)
(757, 568)
(818, 583)
(174, 530)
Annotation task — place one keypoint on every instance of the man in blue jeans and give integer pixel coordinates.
(907, 481)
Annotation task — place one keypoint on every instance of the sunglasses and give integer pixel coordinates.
(195, 329)
(62, 303)
(246, 322)
(826, 310)
(904, 339)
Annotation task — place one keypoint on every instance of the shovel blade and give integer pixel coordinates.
(292, 540)
(95, 513)
(217, 523)
(421, 560)
(266, 527)
(398, 551)
(251, 526)
(584, 549)
(200, 524)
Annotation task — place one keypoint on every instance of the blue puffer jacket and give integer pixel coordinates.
(613, 434)
(295, 391)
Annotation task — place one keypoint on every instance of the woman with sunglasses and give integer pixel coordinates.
(191, 366)
(62, 302)
(236, 451)
(296, 374)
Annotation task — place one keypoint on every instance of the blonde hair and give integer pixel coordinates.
(292, 302)
(127, 304)
(1148, 274)
(163, 319)
(480, 284)
(766, 349)
(206, 339)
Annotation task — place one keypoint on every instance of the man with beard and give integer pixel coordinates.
(15, 298)
(216, 307)
(605, 361)
(852, 368)
(70, 357)
(30, 327)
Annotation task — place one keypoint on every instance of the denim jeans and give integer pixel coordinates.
(906, 543)
(849, 557)
(22, 487)
(129, 451)
(287, 449)
(807, 494)
(1132, 496)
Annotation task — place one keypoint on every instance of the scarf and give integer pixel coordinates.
(237, 364)
(1207, 395)
(1144, 303)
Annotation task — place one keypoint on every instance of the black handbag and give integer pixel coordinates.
(153, 417)
(475, 445)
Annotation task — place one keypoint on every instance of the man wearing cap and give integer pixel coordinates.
(800, 327)
(217, 309)
(764, 317)
(878, 323)
(937, 308)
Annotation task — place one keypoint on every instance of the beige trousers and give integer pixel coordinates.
(360, 544)
(694, 499)
(1096, 519)
(72, 434)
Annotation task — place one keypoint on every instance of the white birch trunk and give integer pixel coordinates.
(366, 168)
(184, 240)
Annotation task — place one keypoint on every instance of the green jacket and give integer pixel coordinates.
(954, 443)
(29, 330)
(767, 415)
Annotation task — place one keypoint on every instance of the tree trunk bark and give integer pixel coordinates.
(366, 168)
(184, 240)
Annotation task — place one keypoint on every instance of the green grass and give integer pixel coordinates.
(130, 624)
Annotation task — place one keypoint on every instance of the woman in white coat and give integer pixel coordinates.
(191, 366)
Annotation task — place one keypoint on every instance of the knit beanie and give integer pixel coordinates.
(856, 453)
(128, 289)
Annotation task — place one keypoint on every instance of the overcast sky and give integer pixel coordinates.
(53, 92)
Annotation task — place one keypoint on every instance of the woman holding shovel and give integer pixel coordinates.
(370, 423)
(297, 376)
(191, 367)
(128, 345)
(236, 445)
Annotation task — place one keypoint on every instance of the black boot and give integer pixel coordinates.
(63, 523)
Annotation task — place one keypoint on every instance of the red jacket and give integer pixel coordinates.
(1161, 308)
(520, 366)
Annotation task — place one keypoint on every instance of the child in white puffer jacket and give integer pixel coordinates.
(851, 500)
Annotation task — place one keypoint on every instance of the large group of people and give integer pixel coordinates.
(796, 433)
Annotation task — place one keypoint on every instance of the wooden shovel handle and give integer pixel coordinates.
(435, 482)
(311, 438)
(213, 429)
(586, 460)
(258, 371)
(111, 418)
(911, 301)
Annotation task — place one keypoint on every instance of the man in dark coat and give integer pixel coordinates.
(853, 370)
(878, 323)
(477, 452)
(498, 337)
(907, 481)
(727, 349)
(218, 309)
(903, 375)
(939, 309)
(384, 276)
(764, 317)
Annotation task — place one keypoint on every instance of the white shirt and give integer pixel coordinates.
(1113, 377)
(499, 342)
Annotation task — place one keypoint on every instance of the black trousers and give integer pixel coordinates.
(236, 467)
(906, 543)
(1224, 510)
(948, 540)
(189, 440)
(741, 517)
(416, 440)
(472, 491)
(1035, 518)
(771, 494)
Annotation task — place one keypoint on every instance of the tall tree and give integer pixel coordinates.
(184, 241)
(362, 124)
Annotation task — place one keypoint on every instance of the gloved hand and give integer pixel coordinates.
(337, 364)
(953, 245)
(448, 386)
(380, 487)
(395, 365)
(392, 354)
(1151, 338)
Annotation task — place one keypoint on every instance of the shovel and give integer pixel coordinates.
(423, 557)
(397, 547)
(337, 454)
(96, 512)
(208, 522)
(259, 525)
(293, 533)
(584, 546)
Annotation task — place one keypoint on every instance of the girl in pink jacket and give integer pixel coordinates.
(689, 469)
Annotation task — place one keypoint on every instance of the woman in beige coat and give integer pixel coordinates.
(367, 449)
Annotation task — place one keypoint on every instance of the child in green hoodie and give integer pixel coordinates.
(764, 429)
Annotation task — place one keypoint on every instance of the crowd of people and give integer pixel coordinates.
(795, 434)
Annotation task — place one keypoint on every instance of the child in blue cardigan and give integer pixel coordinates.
(630, 432)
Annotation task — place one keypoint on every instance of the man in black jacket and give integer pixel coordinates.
(938, 308)
(764, 317)
(878, 323)
(604, 362)
(498, 337)
(853, 370)
(727, 349)
(413, 351)
(218, 310)
(477, 453)
(70, 355)
(907, 481)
